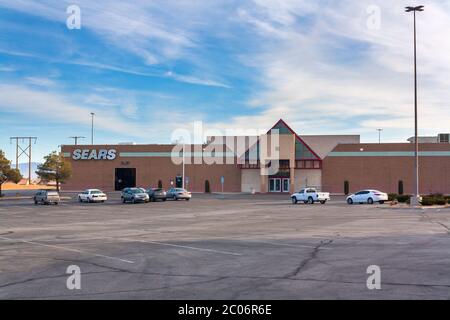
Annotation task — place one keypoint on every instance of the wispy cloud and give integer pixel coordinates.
(39, 81)
(196, 80)
(333, 71)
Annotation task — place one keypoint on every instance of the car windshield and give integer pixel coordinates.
(136, 190)
(157, 190)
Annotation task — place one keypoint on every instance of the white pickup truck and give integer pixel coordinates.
(310, 195)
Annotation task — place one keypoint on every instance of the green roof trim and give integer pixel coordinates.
(175, 154)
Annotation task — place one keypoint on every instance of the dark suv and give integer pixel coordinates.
(157, 194)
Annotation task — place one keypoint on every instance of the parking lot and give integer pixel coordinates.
(222, 247)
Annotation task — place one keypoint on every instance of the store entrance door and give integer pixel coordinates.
(286, 184)
(125, 178)
(274, 185)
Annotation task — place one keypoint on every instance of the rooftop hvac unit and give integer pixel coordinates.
(444, 138)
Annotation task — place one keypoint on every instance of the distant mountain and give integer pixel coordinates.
(23, 168)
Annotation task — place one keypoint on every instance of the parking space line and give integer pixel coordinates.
(272, 243)
(180, 246)
(290, 245)
(65, 249)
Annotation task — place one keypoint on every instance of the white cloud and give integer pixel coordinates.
(317, 64)
(336, 73)
(40, 81)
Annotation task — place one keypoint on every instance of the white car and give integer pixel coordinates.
(310, 195)
(92, 195)
(367, 196)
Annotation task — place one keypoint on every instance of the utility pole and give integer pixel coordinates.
(92, 127)
(415, 198)
(75, 138)
(24, 151)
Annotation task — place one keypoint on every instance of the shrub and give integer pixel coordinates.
(427, 201)
(392, 196)
(440, 201)
(434, 199)
(404, 198)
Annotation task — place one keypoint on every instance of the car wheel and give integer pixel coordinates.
(349, 201)
(123, 200)
(164, 199)
(175, 198)
(35, 202)
(153, 199)
(310, 200)
(294, 200)
(79, 199)
(187, 199)
(370, 201)
(323, 202)
(381, 202)
(56, 203)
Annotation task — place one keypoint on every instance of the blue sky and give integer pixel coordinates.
(149, 67)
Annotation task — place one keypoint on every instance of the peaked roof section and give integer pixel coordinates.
(283, 124)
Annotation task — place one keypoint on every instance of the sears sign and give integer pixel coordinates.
(93, 154)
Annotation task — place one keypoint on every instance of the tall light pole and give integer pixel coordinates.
(379, 135)
(415, 198)
(92, 127)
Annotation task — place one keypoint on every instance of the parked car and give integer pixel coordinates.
(92, 195)
(310, 195)
(46, 197)
(178, 193)
(134, 195)
(157, 194)
(367, 196)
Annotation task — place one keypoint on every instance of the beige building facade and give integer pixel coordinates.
(279, 161)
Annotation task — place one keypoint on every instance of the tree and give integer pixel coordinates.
(6, 172)
(55, 168)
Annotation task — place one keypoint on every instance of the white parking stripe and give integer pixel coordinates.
(65, 249)
(290, 245)
(272, 243)
(179, 246)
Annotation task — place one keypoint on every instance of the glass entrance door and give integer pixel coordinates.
(286, 184)
(275, 185)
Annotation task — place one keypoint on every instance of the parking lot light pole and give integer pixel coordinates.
(415, 199)
(379, 135)
(183, 184)
(92, 127)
